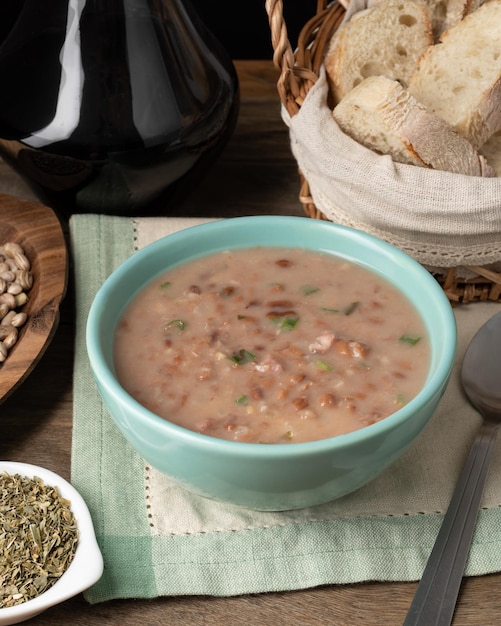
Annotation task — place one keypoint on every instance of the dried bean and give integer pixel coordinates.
(21, 261)
(19, 320)
(21, 299)
(7, 319)
(15, 289)
(15, 280)
(8, 276)
(8, 299)
(11, 248)
(25, 279)
(11, 338)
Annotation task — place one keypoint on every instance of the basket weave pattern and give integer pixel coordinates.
(299, 70)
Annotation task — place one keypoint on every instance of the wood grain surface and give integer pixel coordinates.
(256, 174)
(37, 230)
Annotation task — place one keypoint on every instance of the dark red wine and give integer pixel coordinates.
(115, 106)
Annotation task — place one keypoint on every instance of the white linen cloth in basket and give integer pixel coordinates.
(441, 219)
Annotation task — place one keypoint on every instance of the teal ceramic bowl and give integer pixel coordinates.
(277, 476)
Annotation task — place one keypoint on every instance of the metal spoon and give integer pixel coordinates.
(436, 595)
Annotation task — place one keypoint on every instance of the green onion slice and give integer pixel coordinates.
(323, 365)
(412, 340)
(350, 308)
(286, 323)
(179, 324)
(309, 289)
(241, 357)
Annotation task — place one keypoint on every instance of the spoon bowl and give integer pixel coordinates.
(437, 592)
(480, 371)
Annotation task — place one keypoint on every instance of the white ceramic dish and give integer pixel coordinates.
(87, 565)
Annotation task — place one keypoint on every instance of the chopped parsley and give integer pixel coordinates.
(285, 323)
(351, 308)
(241, 357)
(401, 400)
(412, 340)
(309, 289)
(179, 324)
(323, 365)
(348, 310)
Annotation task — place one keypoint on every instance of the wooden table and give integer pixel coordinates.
(256, 175)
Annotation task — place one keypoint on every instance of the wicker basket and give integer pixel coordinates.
(299, 70)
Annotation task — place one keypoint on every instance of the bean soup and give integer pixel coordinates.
(271, 345)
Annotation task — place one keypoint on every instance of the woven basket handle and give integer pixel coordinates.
(299, 70)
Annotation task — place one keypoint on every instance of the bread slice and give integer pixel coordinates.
(459, 79)
(457, 10)
(388, 38)
(381, 115)
(437, 10)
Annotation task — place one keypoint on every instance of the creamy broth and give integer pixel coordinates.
(271, 345)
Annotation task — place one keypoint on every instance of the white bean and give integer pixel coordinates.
(11, 338)
(19, 320)
(15, 280)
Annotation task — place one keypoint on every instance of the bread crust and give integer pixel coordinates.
(457, 10)
(383, 116)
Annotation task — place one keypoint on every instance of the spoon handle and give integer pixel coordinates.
(436, 595)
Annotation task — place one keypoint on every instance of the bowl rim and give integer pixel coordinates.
(87, 565)
(433, 383)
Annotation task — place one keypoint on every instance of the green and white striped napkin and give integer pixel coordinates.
(159, 540)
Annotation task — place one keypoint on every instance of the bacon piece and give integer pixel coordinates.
(268, 364)
(323, 342)
(346, 347)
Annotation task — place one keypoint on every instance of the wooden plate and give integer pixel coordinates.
(37, 229)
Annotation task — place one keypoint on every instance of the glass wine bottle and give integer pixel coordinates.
(113, 106)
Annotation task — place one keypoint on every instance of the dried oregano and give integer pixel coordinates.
(38, 538)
